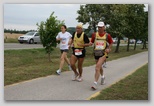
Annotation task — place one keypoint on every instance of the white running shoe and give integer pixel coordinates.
(80, 79)
(58, 72)
(102, 81)
(94, 87)
(74, 77)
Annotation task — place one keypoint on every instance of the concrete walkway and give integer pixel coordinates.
(61, 87)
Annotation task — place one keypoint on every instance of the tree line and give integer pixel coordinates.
(16, 31)
(122, 20)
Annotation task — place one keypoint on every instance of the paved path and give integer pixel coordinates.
(61, 87)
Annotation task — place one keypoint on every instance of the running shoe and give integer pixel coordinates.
(58, 72)
(102, 81)
(104, 66)
(80, 79)
(94, 87)
(74, 77)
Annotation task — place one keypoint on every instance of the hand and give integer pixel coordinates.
(69, 46)
(70, 42)
(59, 38)
(79, 44)
(90, 44)
(107, 50)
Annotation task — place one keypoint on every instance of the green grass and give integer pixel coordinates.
(21, 65)
(133, 87)
(11, 40)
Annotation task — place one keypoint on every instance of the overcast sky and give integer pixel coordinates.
(25, 16)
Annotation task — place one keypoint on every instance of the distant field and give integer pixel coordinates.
(13, 35)
(11, 38)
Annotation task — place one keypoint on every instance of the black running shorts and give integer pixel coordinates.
(79, 53)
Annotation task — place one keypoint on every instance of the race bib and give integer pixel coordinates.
(63, 42)
(78, 52)
(99, 45)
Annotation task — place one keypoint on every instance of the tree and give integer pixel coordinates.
(111, 14)
(144, 34)
(91, 14)
(122, 19)
(48, 30)
(117, 22)
(71, 30)
(135, 22)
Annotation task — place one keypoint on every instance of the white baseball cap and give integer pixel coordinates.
(101, 24)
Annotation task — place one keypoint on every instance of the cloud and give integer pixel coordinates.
(146, 7)
(30, 14)
(20, 27)
(16, 15)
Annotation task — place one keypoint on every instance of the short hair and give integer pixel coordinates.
(79, 25)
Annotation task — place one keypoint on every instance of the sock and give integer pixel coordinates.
(69, 65)
(102, 76)
(95, 82)
(59, 70)
(70, 68)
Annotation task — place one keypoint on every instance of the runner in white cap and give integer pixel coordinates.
(101, 50)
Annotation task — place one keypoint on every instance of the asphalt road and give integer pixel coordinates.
(61, 87)
(13, 46)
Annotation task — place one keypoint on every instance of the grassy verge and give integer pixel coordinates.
(11, 40)
(133, 87)
(21, 65)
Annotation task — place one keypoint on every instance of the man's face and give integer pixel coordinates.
(78, 30)
(100, 29)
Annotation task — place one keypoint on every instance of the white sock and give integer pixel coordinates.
(59, 70)
(102, 76)
(95, 82)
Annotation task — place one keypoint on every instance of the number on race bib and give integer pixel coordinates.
(99, 45)
(78, 52)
